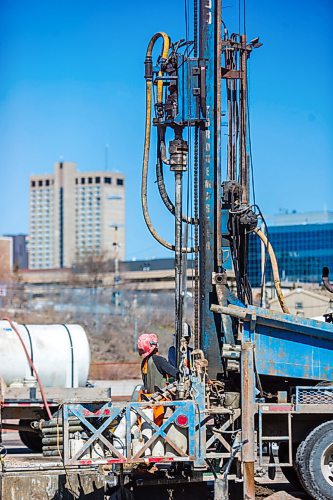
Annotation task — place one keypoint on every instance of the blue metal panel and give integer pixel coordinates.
(287, 355)
(188, 103)
(290, 346)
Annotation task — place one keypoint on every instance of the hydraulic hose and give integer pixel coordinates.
(164, 195)
(162, 158)
(148, 62)
(32, 366)
(149, 83)
(275, 270)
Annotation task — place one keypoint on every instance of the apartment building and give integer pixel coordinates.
(74, 214)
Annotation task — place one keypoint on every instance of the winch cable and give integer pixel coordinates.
(32, 366)
(149, 83)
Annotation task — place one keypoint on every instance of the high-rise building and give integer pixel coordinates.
(75, 214)
(303, 245)
(20, 251)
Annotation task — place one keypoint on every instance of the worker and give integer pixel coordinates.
(155, 370)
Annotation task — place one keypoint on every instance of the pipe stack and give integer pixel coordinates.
(52, 431)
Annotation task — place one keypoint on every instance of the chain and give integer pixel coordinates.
(196, 197)
(196, 238)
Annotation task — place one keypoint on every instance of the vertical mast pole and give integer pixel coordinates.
(209, 179)
(244, 168)
(179, 299)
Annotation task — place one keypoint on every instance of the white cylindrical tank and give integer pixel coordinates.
(60, 353)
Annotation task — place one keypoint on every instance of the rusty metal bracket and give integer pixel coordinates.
(219, 278)
(231, 73)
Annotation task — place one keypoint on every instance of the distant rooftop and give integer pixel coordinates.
(300, 218)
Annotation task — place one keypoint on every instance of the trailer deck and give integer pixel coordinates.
(25, 475)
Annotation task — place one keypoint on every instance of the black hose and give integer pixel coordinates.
(161, 158)
(326, 279)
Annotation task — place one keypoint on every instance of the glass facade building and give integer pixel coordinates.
(303, 245)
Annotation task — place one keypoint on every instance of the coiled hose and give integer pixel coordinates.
(149, 83)
(275, 270)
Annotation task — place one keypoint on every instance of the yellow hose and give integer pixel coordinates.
(164, 55)
(275, 269)
(149, 83)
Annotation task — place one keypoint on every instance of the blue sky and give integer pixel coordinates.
(72, 81)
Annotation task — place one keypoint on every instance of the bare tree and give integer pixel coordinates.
(91, 266)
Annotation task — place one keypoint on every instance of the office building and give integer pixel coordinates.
(6, 258)
(20, 250)
(75, 214)
(303, 245)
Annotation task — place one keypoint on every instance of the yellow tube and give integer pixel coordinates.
(145, 169)
(275, 269)
(164, 55)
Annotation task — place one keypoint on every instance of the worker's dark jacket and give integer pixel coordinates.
(157, 373)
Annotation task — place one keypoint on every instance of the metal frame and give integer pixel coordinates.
(262, 439)
(314, 406)
(309, 395)
(217, 436)
(109, 412)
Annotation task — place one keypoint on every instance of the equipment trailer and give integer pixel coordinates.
(256, 377)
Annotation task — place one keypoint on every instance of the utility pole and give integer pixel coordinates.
(116, 268)
(135, 312)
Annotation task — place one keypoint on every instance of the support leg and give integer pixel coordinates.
(248, 393)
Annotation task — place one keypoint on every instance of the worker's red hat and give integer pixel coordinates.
(147, 342)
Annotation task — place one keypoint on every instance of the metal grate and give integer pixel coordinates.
(314, 395)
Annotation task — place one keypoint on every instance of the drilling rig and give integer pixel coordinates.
(256, 376)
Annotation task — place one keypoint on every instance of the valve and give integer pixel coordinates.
(178, 150)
